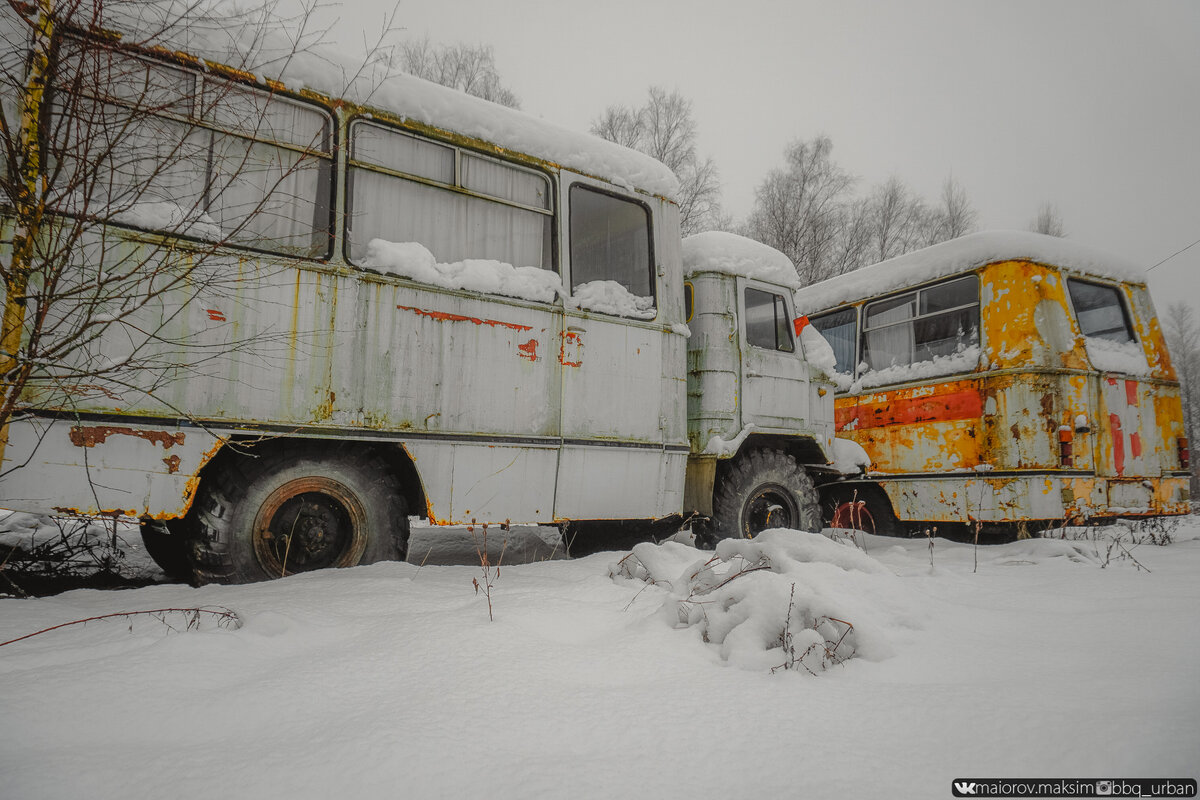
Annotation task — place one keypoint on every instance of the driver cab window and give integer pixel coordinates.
(767, 323)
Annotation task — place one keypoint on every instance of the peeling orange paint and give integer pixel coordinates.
(442, 316)
(528, 350)
(82, 436)
(572, 342)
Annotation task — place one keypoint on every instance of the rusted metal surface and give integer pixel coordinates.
(93, 470)
(90, 436)
(1035, 411)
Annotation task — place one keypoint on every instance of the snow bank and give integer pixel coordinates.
(266, 50)
(719, 446)
(817, 350)
(956, 255)
(784, 599)
(165, 215)
(413, 260)
(730, 254)
(1126, 358)
(849, 458)
(965, 360)
(610, 297)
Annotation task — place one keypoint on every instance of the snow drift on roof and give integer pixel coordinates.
(267, 51)
(960, 254)
(717, 251)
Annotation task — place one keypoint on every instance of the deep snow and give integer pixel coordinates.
(1051, 658)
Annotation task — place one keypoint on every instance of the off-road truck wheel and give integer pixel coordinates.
(295, 511)
(760, 490)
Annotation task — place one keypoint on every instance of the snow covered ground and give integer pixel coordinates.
(1044, 658)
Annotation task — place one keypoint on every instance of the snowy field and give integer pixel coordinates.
(1037, 658)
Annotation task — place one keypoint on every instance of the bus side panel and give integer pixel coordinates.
(63, 466)
(922, 429)
(468, 482)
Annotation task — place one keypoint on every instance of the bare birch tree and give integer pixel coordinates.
(132, 180)
(665, 128)
(1048, 221)
(470, 68)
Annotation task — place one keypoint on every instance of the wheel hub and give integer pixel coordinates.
(309, 523)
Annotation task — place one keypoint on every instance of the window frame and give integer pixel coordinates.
(856, 334)
(785, 324)
(652, 264)
(551, 211)
(915, 292)
(1122, 302)
(195, 119)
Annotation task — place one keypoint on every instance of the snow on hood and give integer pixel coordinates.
(268, 52)
(728, 253)
(956, 255)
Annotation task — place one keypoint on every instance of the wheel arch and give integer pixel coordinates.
(394, 455)
(806, 449)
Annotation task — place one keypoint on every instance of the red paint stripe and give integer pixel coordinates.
(1135, 445)
(966, 404)
(442, 316)
(1131, 393)
(1118, 440)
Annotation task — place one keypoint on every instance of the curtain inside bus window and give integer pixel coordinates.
(839, 329)
(395, 194)
(888, 339)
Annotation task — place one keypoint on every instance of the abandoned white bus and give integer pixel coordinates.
(368, 351)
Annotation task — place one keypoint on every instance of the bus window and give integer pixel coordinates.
(767, 321)
(1100, 311)
(610, 241)
(922, 325)
(405, 188)
(839, 329)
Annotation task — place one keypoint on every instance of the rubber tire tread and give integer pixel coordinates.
(169, 548)
(742, 477)
(222, 550)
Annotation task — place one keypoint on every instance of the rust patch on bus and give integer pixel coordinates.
(966, 404)
(172, 463)
(570, 353)
(442, 316)
(528, 350)
(97, 434)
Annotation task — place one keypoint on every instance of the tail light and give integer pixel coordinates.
(1066, 448)
(1185, 456)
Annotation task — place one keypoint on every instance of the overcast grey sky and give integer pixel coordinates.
(1093, 106)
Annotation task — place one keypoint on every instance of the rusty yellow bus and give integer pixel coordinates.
(1004, 379)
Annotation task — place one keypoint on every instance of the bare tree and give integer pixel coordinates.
(1183, 336)
(807, 210)
(470, 68)
(801, 208)
(900, 220)
(664, 128)
(955, 216)
(1048, 221)
(132, 180)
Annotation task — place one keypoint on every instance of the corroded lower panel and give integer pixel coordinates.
(133, 469)
(1032, 497)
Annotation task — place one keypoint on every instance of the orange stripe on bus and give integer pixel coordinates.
(938, 408)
